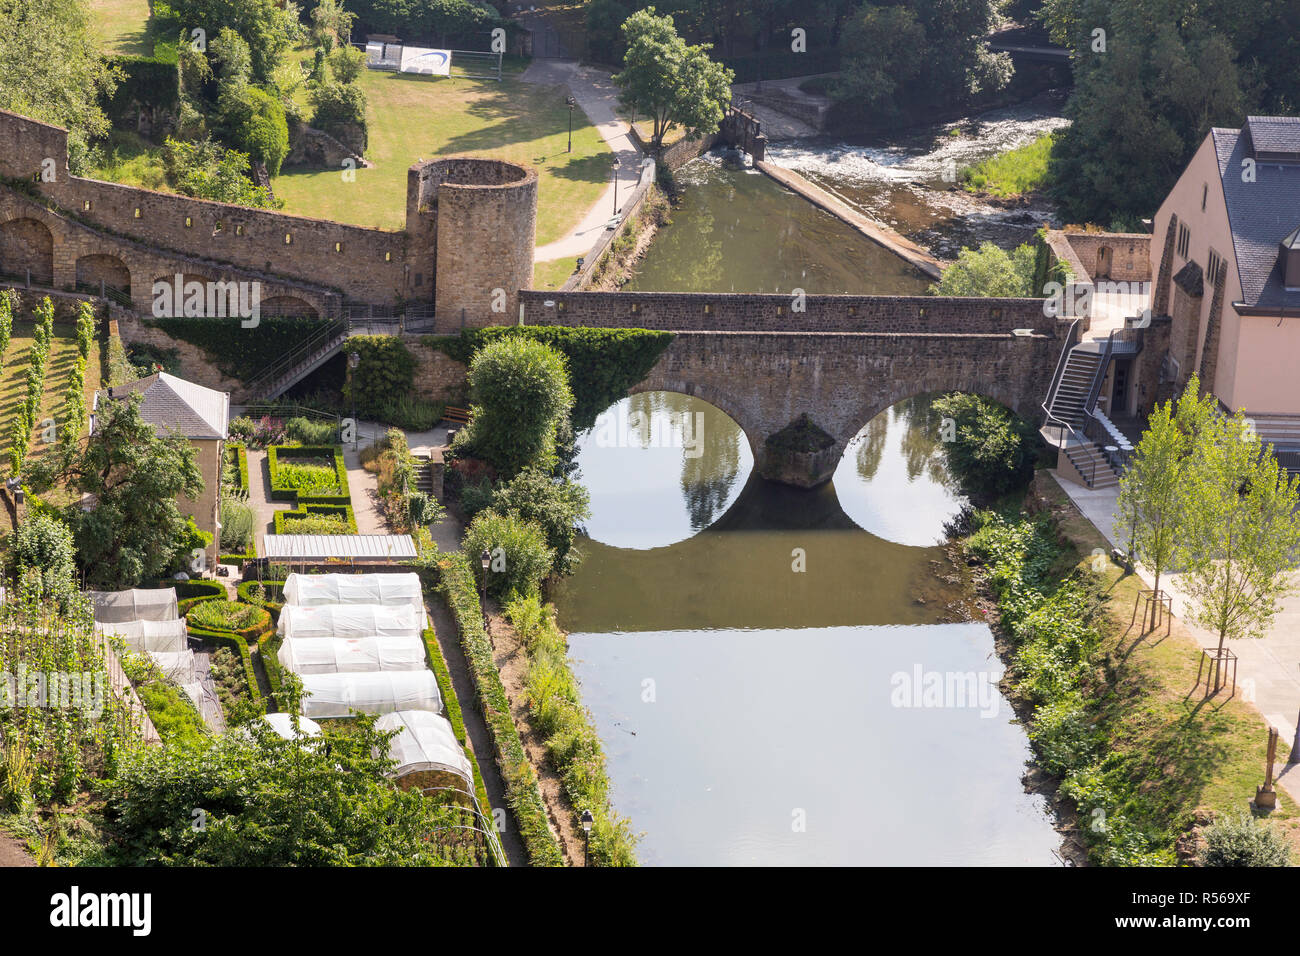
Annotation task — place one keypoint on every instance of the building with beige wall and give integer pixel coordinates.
(1225, 257)
(201, 415)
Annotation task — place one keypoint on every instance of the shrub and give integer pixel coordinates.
(224, 615)
(301, 474)
(1241, 840)
(310, 432)
(990, 271)
(520, 392)
(992, 450)
(386, 369)
(520, 557)
(43, 545)
(237, 522)
(557, 507)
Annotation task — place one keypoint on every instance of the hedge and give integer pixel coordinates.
(603, 363)
(198, 587)
(240, 647)
(454, 716)
(305, 510)
(241, 453)
(282, 492)
(461, 593)
(153, 82)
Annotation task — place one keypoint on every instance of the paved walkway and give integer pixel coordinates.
(1268, 669)
(598, 97)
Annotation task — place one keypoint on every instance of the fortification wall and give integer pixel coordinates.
(1130, 254)
(704, 312)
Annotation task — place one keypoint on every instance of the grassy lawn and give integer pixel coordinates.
(13, 384)
(119, 25)
(412, 118)
(1013, 173)
(133, 161)
(1182, 751)
(552, 274)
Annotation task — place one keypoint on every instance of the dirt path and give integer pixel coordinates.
(512, 663)
(13, 853)
(480, 740)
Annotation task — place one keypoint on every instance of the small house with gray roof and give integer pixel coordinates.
(174, 406)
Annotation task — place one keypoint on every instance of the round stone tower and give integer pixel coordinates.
(473, 225)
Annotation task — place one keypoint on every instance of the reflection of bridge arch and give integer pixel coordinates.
(766, 380)
(27, 245)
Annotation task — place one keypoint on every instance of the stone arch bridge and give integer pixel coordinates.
(840, 361)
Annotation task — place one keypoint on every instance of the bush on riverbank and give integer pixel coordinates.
(572, 743)
(1241, 840)
(989, 449)
(1012, 173)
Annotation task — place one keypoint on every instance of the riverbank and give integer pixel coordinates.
(1119, 731)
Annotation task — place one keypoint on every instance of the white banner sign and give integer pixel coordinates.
(428, 62)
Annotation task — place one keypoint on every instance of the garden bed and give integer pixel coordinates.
(308, 474)
(316, 519)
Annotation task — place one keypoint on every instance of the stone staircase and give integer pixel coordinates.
(1077, 378)
(301, 362)
(1091, 464)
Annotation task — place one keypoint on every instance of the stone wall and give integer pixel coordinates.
(735, 312)
(196, 364)
(765, 381)
(437, 375)
(1130, 254)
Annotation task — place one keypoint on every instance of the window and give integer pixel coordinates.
(338, 247)
(636, 307)
(708, 309)
(138, 214)
(559, 306)
(288, 238)
(1205, 194)
(1218, 268)
(388, 257)
(86, 206)
(995, 314)
(217, 229)
(921, 312)
(239, 228)
(188, 222)
(1184, 240)
(780, 310)
(419, 278)
(853, 310)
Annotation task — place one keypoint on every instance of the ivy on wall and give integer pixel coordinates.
(603, 363)
(386, 371)
(239, 352)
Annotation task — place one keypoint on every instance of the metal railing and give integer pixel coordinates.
(314, 346)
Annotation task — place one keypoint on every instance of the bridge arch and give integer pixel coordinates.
(27, 244)
(288, 306)
(705, 392)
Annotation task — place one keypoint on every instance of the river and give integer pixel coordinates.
(787, 677)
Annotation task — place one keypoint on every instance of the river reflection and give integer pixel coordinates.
(740, 645)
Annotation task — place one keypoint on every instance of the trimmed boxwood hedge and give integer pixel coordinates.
(458, 587)
(197, 587)
(305, 510)
(253, 632)
(241, 454)
(282, 492)
(236, 642)
(451, 703)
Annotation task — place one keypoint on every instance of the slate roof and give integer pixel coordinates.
(1261, 214)
(176, 406)
(1274, 135)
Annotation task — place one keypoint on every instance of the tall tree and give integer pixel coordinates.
(1242, 527)
(1154, 489)
(671, 82)
(132, 529)
(51, 71)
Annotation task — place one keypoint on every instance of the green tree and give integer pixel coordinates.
(989, 271)
(7, 297)
(329, 19)
(50, 70)
(557, 507)
(519, 393)
(669, 81)
(340, 110)
(42, 547)
(268, 801)
(346, 63)
(1242, 530)
(1153, 490)
(265, 26)
(989, 449)
(884, 50)
(205, 170)
(133, 530)
(519, 557)
(257, 125)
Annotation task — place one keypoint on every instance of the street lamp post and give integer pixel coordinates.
(354, 360)
(571, 104)
(587, 820)
(485, 559)
(615, 185)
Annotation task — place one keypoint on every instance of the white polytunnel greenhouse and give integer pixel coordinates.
(139, 604)
(351, 620)
(164, 637)
(426, 751)
(390, 590)
(345, 655)
(282, 724)
(178, 666)
(369, 692)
